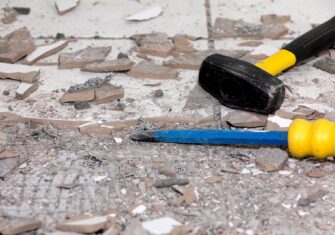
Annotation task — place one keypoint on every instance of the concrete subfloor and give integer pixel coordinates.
(239, 204)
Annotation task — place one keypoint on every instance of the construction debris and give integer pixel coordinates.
(250, 43)
(193, 60)
(16, 45)
(9, 15)
(4, 154)
(22, 10)
(160, 226)
(275, 19)
(79, 96)
(81, 105)
(158, 93)
(45, 51)
(119, 65)
(65, 6)
(182, 44)
(25, 89)
(20, 72)
(189, 196)
(147, 14)
(271, 159)
(168, 182)
(81, 58)
(108, 93)
(243, 119)
(147, 69)
(238, 28)
(18, 226)
(326, 64)
(84, 224)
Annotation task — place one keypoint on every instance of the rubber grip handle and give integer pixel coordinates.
(314, 41)
(315, 138)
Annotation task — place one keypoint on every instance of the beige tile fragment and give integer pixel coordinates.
(17, 226)
(65, 6)
(86, 95)
(25, 89)
(20, 72)
(147, 69)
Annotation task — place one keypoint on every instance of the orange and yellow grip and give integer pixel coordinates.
(316, 138)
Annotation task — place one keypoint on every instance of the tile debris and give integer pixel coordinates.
(81, 58)
(147, 14)
(146, 69)
(271, 159)
(326, 64)
(182, 44)
(251, 43)
(193, 60)
(4, 154)
(79, 96)
(16, 45)
(65, 6)
(160, 226)
(20, 72)
(9, 15)
(108, 93)
(18, 226)
(22, 10)
(119, 65)
(25, 89)
(82, 105)
(275, 19)
(135, 227)
(189, 196)
(45, 51)
(243, 119)
(84, 224)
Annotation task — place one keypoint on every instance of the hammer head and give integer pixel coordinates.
(241, 85)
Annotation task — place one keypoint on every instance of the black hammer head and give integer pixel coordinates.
(241, 85)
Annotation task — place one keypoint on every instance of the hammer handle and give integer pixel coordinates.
(313, 42)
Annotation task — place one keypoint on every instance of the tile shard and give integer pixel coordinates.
(326, 64)
(81, 58)
(25, 89)
(65, 6)
(45, 51)
(84, 224)
(182, 44)
(9, 15)
(147, 14)
(147, 69)
(7, 154)
(193, 60)
(161, 226)
(20, 72)
(79, 96)
(18, 226)
(108, 93)
(243, 119)
(275, 19)
(271, 159)
(119, 65)
(274, 31)
(16, 45)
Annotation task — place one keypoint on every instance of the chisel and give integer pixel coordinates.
(303, 138)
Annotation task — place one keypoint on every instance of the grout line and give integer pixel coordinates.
(211, 43)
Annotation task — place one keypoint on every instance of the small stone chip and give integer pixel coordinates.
(326, 64)
(271, 159)
(246, 119)
(158, 93)
(82, 105)
(164, 183)
(6, 93)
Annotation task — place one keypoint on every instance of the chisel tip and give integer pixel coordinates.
(147, 136)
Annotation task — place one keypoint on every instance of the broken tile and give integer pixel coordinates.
(193, 60)
(271, 159)
(9, 15)
(164, 183)
(182, 44)
(243, 119)
(17, 226)
(224, 27)
(147, 69)
(277, 123)
(274, 31)
(251, 43)
(160, 226)
(7, 154)
(147, 14)
(326, 64)
(84, 224)
(108, 93)
(189, 196)
(275, 19)
(65, 6)
(16, 45)
(25, 89)
(138, 210)
(199, 98)
(44, 51)
(90, 84)
(316, 173)
(238, 28)
(10, 164)
(79, 96)
(81, 58)
(20, 72)
(154, 37)
(119, 65)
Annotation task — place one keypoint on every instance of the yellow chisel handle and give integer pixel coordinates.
(311, 138)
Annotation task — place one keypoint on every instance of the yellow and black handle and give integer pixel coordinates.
(302, 48)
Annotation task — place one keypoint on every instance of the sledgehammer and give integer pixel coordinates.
(241, 85)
